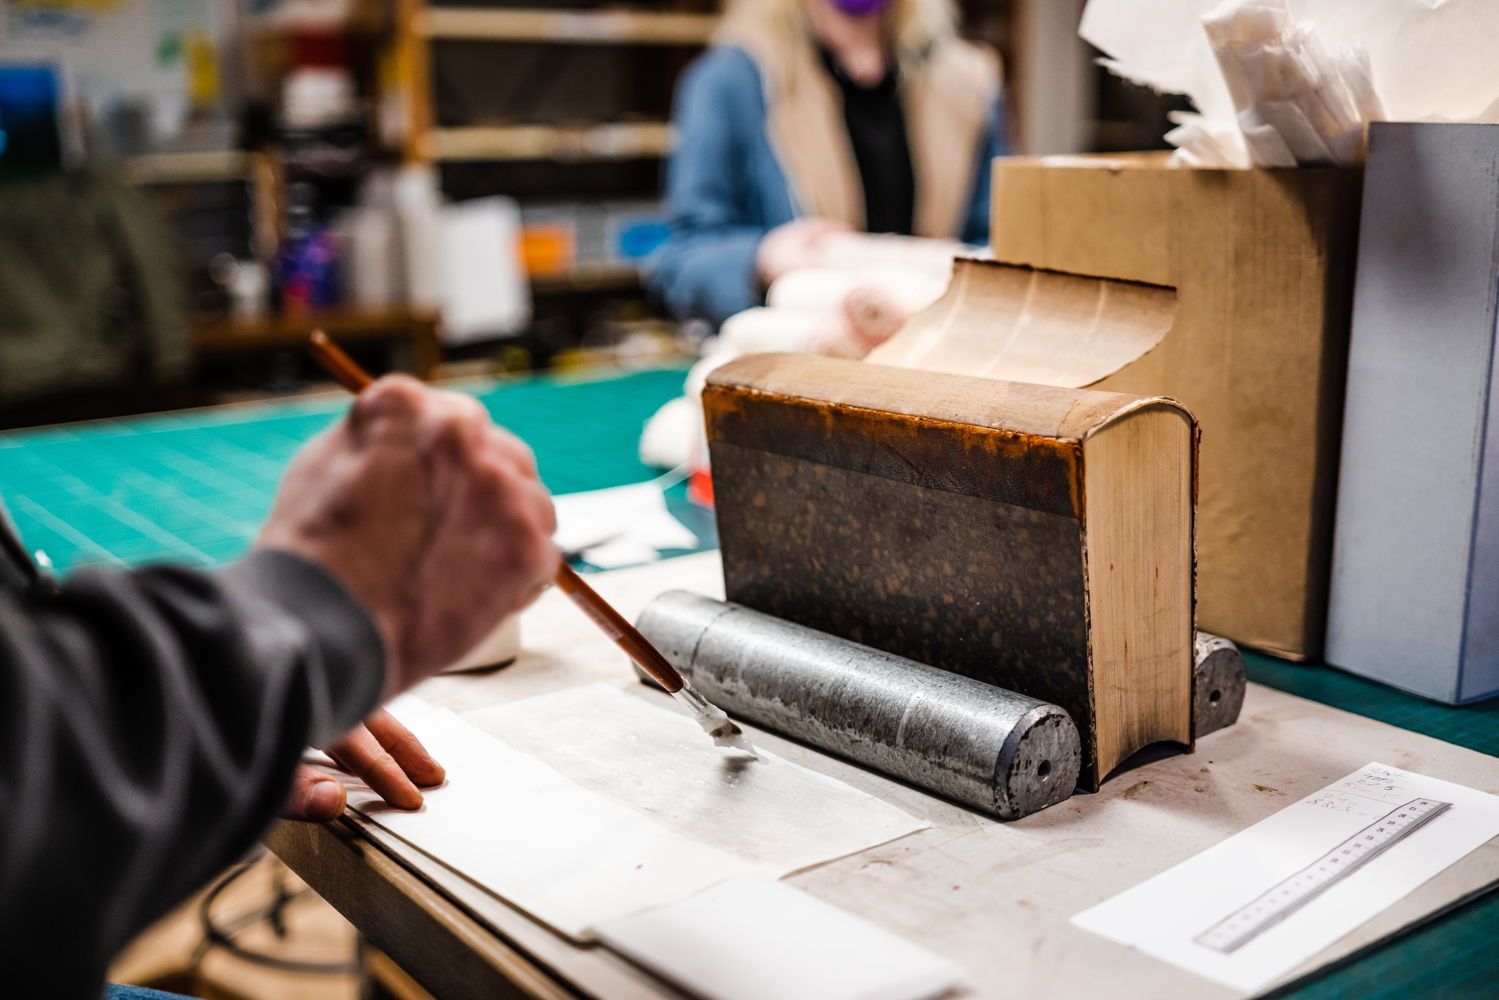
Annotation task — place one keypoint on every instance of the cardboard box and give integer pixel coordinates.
(1254, 343)
(1262, 263)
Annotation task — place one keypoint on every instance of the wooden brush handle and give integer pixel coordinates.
(613, 624)
(338, 364)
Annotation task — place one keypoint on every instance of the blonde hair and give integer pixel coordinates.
(916, 26)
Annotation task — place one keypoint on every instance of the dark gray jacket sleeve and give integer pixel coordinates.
(150, 722)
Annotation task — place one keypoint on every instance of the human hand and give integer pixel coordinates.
(873, 315)
(793, 245)
(382, 752)
(431, 515)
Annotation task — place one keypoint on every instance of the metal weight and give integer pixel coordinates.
(1001, 752)
(1218, 687)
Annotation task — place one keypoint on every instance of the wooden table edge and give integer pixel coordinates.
(388, 901)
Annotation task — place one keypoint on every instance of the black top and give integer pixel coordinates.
(150, 722)
(877, 129)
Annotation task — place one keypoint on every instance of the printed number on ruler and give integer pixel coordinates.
(1270, 908)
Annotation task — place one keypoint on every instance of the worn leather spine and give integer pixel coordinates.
(935, 517)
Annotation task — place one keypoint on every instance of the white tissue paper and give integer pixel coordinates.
(1294, 82)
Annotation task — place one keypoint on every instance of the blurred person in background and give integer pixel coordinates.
(810, 118)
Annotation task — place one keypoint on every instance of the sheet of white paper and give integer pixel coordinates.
(512, 825)
(636, 513)
(752, 938)
(547, 843)
(1163, 915)
(619, 552)
(655, 760)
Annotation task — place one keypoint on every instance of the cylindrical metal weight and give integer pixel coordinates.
(1218, 690)
(977, 744)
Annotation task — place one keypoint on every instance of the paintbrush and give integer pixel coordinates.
(715, 723)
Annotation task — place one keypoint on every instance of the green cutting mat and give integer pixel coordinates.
(194, 486)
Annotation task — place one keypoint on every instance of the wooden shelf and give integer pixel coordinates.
(583, 27)
(587, 279)
(417, 328)
(622, 141)
(190, 168)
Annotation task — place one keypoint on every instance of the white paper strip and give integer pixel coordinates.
(679, 815)
(1165, 915)
(648, 757)
(514, 826)
(635, 515)
(752, 938)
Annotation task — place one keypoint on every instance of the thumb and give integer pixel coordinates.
(314, 798)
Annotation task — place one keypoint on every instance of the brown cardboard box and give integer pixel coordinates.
(1262, 265)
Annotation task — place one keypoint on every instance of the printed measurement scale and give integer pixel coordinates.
(1270, 908)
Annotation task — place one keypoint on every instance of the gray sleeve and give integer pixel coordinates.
(150, 722)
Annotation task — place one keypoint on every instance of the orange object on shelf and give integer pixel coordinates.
(547, 251)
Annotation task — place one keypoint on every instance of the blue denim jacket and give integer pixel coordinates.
(725, 189)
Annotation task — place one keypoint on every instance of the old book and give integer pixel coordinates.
(1031, 537)
(1257, 271)
(1415, 584)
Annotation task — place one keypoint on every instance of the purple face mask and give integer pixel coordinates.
(861, 8)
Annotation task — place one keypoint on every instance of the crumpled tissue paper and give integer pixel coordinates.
(1293, 82)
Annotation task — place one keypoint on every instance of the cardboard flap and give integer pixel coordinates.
(1029, 325)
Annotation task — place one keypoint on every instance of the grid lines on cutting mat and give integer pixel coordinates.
(194, 486)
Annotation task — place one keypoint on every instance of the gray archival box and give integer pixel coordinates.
(1415, 573)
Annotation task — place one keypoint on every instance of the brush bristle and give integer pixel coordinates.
(714, 722)
(736, 741)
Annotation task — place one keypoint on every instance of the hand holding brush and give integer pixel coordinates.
(712, 719)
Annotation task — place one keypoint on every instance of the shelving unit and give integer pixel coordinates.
(421, 28)
(613, 141)
(578, 27)
(412, 332)
(191, 168)
(564, 108)
(548, 106)
(587, 279)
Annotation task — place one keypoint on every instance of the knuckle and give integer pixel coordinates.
(548, 561)
(542, 551)
(517, 451)
(460, 407)
(462, 422)
(392, 397)
(491, 482)
(451, 430)
(470, 407)
(407, 747)
(547, 509)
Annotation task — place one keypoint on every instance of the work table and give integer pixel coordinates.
(193, 486)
